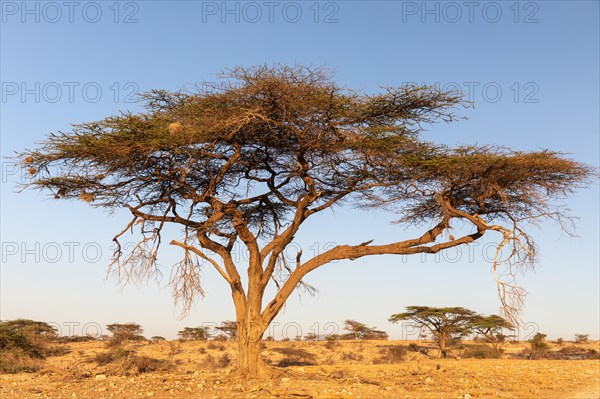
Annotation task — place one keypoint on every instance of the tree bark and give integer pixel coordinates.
(442, 345)
(250, 363)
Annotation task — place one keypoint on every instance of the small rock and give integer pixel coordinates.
(100, 376)
(428, 380)
(285, 379)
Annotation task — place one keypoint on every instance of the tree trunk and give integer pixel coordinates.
(250, 362)
(442, 345)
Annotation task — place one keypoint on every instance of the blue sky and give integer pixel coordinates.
(531, 69)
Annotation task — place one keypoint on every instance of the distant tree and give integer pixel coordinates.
(194, 334)
(360, 331)
(125, 332)
(445, 324)
(560, 341)
(157, 338)
(311, 337)
(490, 328)
(229, 328)
(253, 159)
(582, 338)
(538, 343)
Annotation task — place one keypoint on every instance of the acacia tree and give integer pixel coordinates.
(229, 328)
(445, 324)
(122, 332)
(252, 159)
(490, 328)
(358, 330)
(194, 334)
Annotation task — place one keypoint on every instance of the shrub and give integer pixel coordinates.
(582, 338)
(23, 345)
(482, 352)
(331, 344)
(127, 362)
(104, 358)
(538, 342)
(78, 338)
(391, 354)
(222, 361)
(212, 345)
(295, 357)
(352, 356)
(14, 362)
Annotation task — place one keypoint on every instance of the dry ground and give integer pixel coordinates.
(202, 370)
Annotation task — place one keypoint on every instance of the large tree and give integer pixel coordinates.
(268, 148)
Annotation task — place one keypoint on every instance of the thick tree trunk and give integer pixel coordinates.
(442, 345)
(250, 363)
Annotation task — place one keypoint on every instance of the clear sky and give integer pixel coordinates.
(532, 69)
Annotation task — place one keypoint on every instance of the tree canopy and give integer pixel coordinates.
(490, 328)
(194, 334)
(445, 324)
(268, 147)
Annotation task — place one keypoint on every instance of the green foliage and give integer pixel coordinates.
(124, 332)
(447, 325)
(481, 352)
(17, 340)
(538, 342)
(360, 331)
(194, 334)
(270, 139)
(229, 328)
(23, 343)
(490, 328)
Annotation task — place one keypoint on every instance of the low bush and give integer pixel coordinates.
(352, 356)
(481, 352)
(391, 354)
(222, 361)
(212, 345)
(14, 362)
(125, 362)
(332, 344)
(295, 357)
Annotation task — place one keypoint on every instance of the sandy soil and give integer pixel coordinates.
(201, 370)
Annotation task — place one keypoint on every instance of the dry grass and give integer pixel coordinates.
(378, 369)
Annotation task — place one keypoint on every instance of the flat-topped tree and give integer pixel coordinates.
(270, 147)
(491, 328)
(445, 324)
